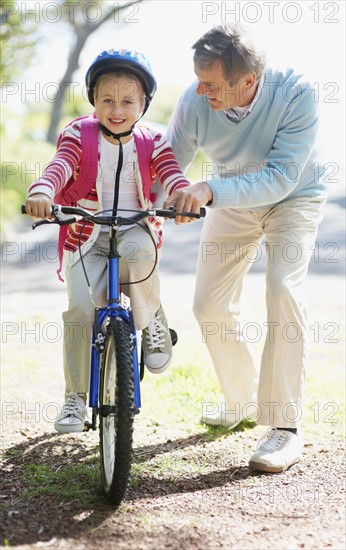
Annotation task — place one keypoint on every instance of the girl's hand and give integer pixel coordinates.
(39, 206)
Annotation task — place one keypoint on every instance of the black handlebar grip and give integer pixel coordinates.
(202, 213)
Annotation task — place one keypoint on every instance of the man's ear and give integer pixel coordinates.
(250, 80)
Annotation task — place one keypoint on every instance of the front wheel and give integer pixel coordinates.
(116, 410)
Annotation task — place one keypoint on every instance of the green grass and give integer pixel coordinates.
(176, 399)
(68, 482)
(172, 405)
(170, 442)
(325, 395)
(22, 162)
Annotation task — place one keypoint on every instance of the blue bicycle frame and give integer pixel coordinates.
(113, 309)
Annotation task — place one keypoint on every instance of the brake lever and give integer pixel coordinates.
(44, 222)
(59, 218)
(63, 219)
(56, 221)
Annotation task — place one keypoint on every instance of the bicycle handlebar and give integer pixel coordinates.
(79, 213)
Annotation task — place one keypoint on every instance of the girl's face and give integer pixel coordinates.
(119, 102)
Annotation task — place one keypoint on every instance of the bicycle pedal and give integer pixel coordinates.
(89, 426)
(174, 336)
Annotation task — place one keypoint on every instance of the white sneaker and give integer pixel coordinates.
(217, 414)
(218, 418)
(72, 415)
(157, 343)
(276, 451)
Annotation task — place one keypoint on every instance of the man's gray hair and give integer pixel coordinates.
(232, 47)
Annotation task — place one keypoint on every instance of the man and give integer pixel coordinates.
(258, 127)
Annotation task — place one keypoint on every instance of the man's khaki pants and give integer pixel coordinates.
(137, 251)
(229, 246)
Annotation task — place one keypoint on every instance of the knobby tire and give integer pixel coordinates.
(116, 410)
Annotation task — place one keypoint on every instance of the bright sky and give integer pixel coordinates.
(307, 35)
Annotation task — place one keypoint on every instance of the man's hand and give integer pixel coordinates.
(190, 199)
(39, 206)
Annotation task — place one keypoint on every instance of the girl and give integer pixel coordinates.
(120, 86)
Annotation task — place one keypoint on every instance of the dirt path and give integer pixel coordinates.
(225, 507)
(222, 505)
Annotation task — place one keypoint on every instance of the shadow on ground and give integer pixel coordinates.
(51, 485)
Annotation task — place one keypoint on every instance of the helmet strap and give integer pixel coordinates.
(115, 136)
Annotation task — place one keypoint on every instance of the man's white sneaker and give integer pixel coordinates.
(72, 415)
(276, 451)
(217, 414)
(217, 418)
(157, 343)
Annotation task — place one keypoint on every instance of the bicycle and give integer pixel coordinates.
(116, 371)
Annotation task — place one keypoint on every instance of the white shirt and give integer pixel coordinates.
(238, 113)
(128, 195)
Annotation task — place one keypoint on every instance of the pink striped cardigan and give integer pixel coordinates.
(66, 162)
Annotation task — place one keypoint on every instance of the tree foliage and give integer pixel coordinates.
(17, 40)
(19, 25)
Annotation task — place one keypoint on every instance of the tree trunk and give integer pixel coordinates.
(61, 92)
(82, 31)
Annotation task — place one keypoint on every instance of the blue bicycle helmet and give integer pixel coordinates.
(117, 60)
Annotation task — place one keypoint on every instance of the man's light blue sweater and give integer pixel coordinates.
(266, 158)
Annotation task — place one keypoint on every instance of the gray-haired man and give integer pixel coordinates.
(258, 127)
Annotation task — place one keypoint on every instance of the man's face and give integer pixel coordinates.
(219, 93)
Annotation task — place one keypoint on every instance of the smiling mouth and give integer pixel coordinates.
(116, 120)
